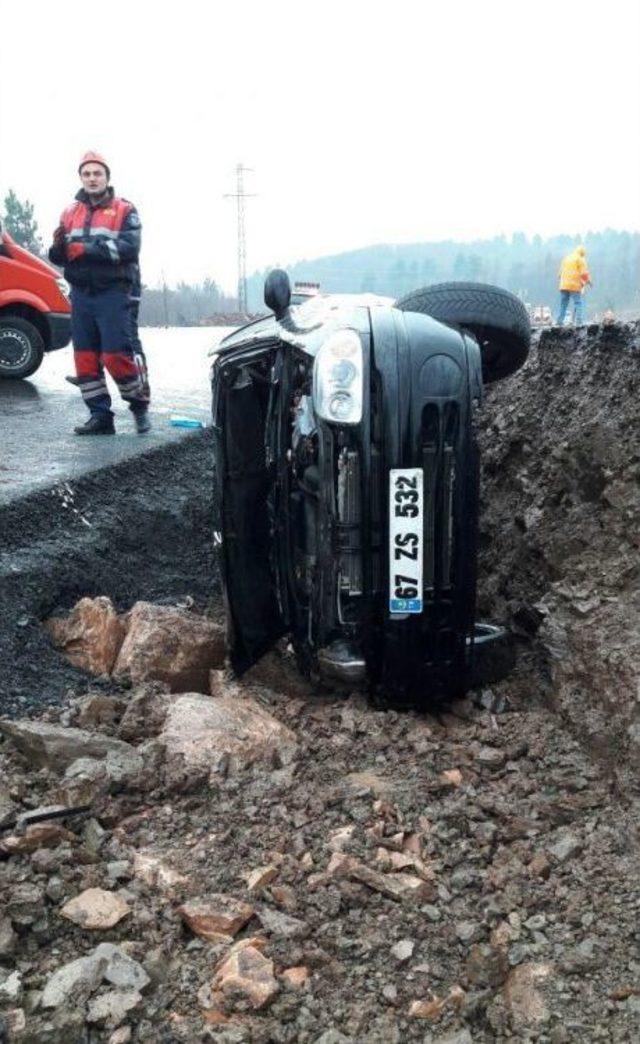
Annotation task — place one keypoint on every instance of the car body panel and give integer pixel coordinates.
(29, 284)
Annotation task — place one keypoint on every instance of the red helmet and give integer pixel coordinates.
(94, 157)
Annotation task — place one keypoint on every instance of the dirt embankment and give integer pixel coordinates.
(560, 531)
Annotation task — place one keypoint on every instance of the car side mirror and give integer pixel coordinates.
(277, 292)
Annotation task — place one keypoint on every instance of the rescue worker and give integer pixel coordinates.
(98, 242)
(574, 276)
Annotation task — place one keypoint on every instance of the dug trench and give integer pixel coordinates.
(277, 864)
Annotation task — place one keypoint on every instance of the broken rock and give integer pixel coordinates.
(39, 835)
(121, 970)
(55, 747)
(77, 978)
(247, 975)
(99, 709)
(261, 877)
(565, 847)
(523, 998)
(217, 917)
(433, 1009)
(157, 874)
(10, 988)
(295, 978)
(7, 807)
(403, 950)
(145, 713)
(85, 780)
(90, 637)
(26, 904)
(338, 839)
(7, 937)
(167, 644)
(279, 924)
(113, 1007)
(401, 887)
(199, 730)
(16, 1023)
(95, 909)
(487, 965)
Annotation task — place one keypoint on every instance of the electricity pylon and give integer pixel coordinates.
(240, 195)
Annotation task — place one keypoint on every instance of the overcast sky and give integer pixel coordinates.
(363, 122)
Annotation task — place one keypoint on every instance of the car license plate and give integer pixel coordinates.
(406, 510)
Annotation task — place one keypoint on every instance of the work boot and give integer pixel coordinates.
(74, 380)
(143, 422)
(98, 424)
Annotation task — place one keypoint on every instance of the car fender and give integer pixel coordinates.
(13, 297)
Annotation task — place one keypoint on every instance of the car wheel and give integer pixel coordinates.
(21, 347)
(497, 318)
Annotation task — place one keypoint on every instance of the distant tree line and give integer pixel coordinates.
(184, 304)
(527, 266)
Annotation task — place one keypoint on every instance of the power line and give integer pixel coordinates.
(240, 195)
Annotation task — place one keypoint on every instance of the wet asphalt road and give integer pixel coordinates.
(37, 416)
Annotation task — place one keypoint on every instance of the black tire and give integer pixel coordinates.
(497, 318)
(21, 347)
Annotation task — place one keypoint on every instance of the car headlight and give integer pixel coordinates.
(63, 287)
(338, 378)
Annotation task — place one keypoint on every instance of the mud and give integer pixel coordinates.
(138, 530)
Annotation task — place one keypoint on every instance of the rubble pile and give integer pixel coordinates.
(264, 863)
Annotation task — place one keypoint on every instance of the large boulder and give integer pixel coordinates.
(90, 636)
(170, 645)
(199, 730)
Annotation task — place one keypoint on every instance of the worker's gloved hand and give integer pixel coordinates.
(75, 250)
(58, 237)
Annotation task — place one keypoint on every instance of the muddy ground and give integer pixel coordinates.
(532, 845)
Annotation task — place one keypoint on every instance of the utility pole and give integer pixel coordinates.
(240, 195)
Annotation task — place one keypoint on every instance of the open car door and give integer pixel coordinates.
(247, 425)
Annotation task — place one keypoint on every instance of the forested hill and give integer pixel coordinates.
(527, 266)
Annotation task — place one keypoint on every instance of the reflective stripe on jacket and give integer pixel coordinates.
(98, 243)
(574, 274)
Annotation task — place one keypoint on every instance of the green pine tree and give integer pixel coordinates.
(19, 222)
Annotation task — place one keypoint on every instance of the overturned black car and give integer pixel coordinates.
(347, 479)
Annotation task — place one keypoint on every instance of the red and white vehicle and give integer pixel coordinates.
(35, 312)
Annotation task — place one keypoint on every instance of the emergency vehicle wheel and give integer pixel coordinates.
(497, 319)
(21, 347)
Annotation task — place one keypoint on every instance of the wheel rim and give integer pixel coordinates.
(485, 633)
(15, 350)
